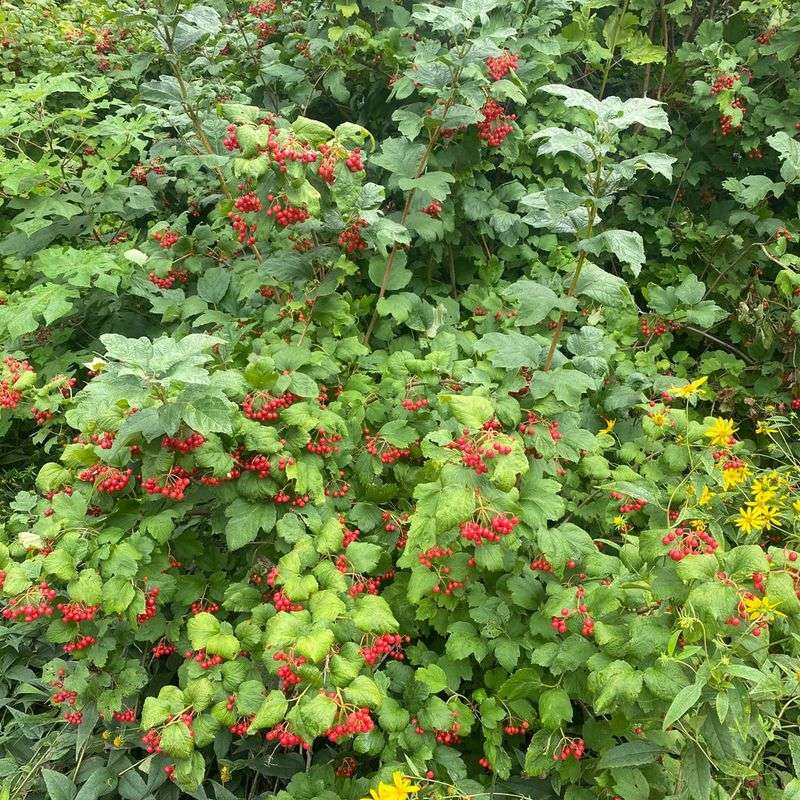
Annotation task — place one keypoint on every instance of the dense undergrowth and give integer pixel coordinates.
(399, 389)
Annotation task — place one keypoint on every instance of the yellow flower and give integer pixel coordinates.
(720, 432)
(610, 424)
(749, 520)
(706, 497)
(763, 427)
(658, 418)
(733, 477)
(769, 516)
(689, 389)
(698, 525)
(758, 606)
(105, 735)
(761, 498)
(118, 741)
(400, 788)
(796, 506)
(225, 774)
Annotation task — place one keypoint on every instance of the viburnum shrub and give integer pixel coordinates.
(406, 399)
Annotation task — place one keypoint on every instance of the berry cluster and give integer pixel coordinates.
(479, 533)
(350, 239)
(766, 36)
(247, 203)
(230, 142)
(354, 161)
(286, 214)
(262, 406)
(347, 768)
(241, 727)
(9, 395)
(128, 715)
(166, 238)
(79, 644)
(367, 585)
(500, 66)
(325, 445)
(283, 603)
(657, 326)
(433, 209)
(541, 565)
(631, 507)
(358, 721)
(203, 659)
(415, 405)
(573, 747)
(204, 607)
(185, 445)
(77, 612)
(107, 480)
(152, 741)
(687, 542)
(169, 280)
(477, 449)
(428, 560)
(245, 234)
(723, 82)
(150, 606)
(285, 738)
(140, 171)
(172, 486)
(512, 730)
(385, 452)
(496, 124)
(259, 464)
(299, 501)
(286, 673)
(387, 644)
(73, 717)
(163, 649)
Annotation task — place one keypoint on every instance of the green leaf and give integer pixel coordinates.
(316, 645)
(176, 740)
(271, 711)
(433, 676)
(200, 628)
(685, 700)
(630, 754)
(118, 594)
(372, 614)
(555, 708)
(627, 246)
(470, 410)
(59, 786)
(363, 691)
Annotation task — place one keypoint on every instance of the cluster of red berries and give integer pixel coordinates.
(248, 203)
(163, 649)
(766, 36)
(284, 737)
(389, 645)
(286, 673)
(262, 8)
(573, 747)
(688, 542)
(327, 165)
(485, 763)
(262, 406)
(358, 721)
(230, 142)
(349, 536)
(245, 234)
(756, 152)
(241, 727)
(111, 480)
(433, 209)
(368, 585)
(73, 717)
(428, 560)
(280, 154)
(657, 326)
(185, 445)
(541, 565)
(77, 612)
(449, 738)
(64, 697)
(350, 239)
(478, 533)
(204, 607)
(9, 396)
(347, 768)
(286, 214)
(496, 124)
(299, 501)
(79, 644)
(354, 162)
(513, 730)
(283, 603)
(41, 416)
(259, 464)
(476, 450)
(139, 172)
(166, 238)
(631, 507)
(726, 120)
(723, 82)
(388, 455)
(150, 605)
(152, 741)
(500, 66)
(203, 659)
(170, 279)
(128, 715)
(325, 445)
(415, 405)
(173, 486)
